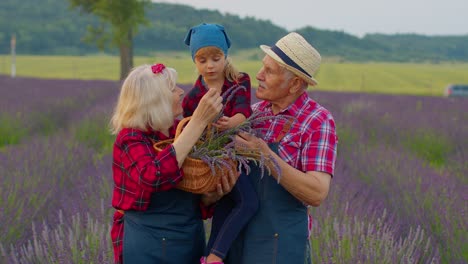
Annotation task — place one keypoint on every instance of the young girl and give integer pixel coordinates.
(162, 224)
(209, 45)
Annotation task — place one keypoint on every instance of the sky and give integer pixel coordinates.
(356, 17)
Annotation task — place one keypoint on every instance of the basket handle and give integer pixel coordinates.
(181, 125)
(184, 122)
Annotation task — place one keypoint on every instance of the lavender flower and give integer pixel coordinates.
(216, 148)
(398, 194)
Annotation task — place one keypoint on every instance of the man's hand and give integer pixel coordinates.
(223, 188)
(246, 141)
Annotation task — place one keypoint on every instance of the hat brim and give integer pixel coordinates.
(269, 52)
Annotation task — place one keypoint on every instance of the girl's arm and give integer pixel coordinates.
(229, 122)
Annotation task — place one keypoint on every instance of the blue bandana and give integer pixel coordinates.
(205, 35)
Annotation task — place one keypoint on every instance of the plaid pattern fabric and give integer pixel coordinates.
(138, 172)
(311, 143)
(240, 103)
(117, 236)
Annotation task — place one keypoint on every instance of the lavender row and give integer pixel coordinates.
(409, 154)
(39, 107)
(388, 202)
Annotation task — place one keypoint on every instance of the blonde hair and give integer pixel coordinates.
(145, 100)
(230, 72)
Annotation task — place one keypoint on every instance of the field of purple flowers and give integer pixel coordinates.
(399, 194)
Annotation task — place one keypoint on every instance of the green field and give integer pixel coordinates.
(397, 78)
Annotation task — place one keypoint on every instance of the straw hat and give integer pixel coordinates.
(297, 55)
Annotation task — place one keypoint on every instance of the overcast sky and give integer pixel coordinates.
(356, 17)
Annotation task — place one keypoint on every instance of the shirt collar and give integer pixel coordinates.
(226, 84)
(157, 135)
(302, 101)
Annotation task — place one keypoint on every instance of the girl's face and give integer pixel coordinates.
(210, 64)
(177, 94)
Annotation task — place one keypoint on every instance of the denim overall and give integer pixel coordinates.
(171, 231)
(278, 232)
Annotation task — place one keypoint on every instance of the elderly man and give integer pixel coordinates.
(304, 145)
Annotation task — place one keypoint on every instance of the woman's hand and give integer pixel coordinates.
(209, 107)
(223, 188)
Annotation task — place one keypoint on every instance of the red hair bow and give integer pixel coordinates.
(158, 68)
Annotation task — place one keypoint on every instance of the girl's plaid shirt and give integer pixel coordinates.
(240, 103)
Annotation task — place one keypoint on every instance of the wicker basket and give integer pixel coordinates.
(198, 177)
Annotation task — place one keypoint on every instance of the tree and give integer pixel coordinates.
(119, 21)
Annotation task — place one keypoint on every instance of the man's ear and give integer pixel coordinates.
(295, 85)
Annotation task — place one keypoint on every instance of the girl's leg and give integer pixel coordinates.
(221, 212)
(232, 215)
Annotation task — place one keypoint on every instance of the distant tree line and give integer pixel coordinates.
(52, 27)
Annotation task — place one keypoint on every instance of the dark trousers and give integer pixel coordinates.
(231, 214)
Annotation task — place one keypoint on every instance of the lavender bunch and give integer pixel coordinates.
(218, 150)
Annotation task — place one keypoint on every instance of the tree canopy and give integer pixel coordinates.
(119, 21)
(52, 27)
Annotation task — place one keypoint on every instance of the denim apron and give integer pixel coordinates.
(171, 231)
(278, 232)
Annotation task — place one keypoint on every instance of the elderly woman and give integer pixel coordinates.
(162, 224)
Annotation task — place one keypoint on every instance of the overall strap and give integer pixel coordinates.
(286, 128)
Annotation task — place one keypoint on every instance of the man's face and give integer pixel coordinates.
(272, 81)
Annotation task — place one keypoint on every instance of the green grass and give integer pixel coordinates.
(11, 130)
(94, 134)
(393, 78)
(431, 147)
(398, 78)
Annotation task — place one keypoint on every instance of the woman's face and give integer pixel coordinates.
(177, 94)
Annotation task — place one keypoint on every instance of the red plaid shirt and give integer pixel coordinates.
(240, 103)
(138, 172)
(311, 143)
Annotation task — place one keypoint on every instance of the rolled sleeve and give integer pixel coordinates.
(320, 149)
(242, 98)
(152, 171)
(139, 171)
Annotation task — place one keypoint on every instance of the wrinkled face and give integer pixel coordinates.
(273, 82)
(210, 63)
(177, 94)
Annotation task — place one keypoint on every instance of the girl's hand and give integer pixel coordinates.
(223, 123)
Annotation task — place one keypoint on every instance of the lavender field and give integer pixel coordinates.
(399, 194)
